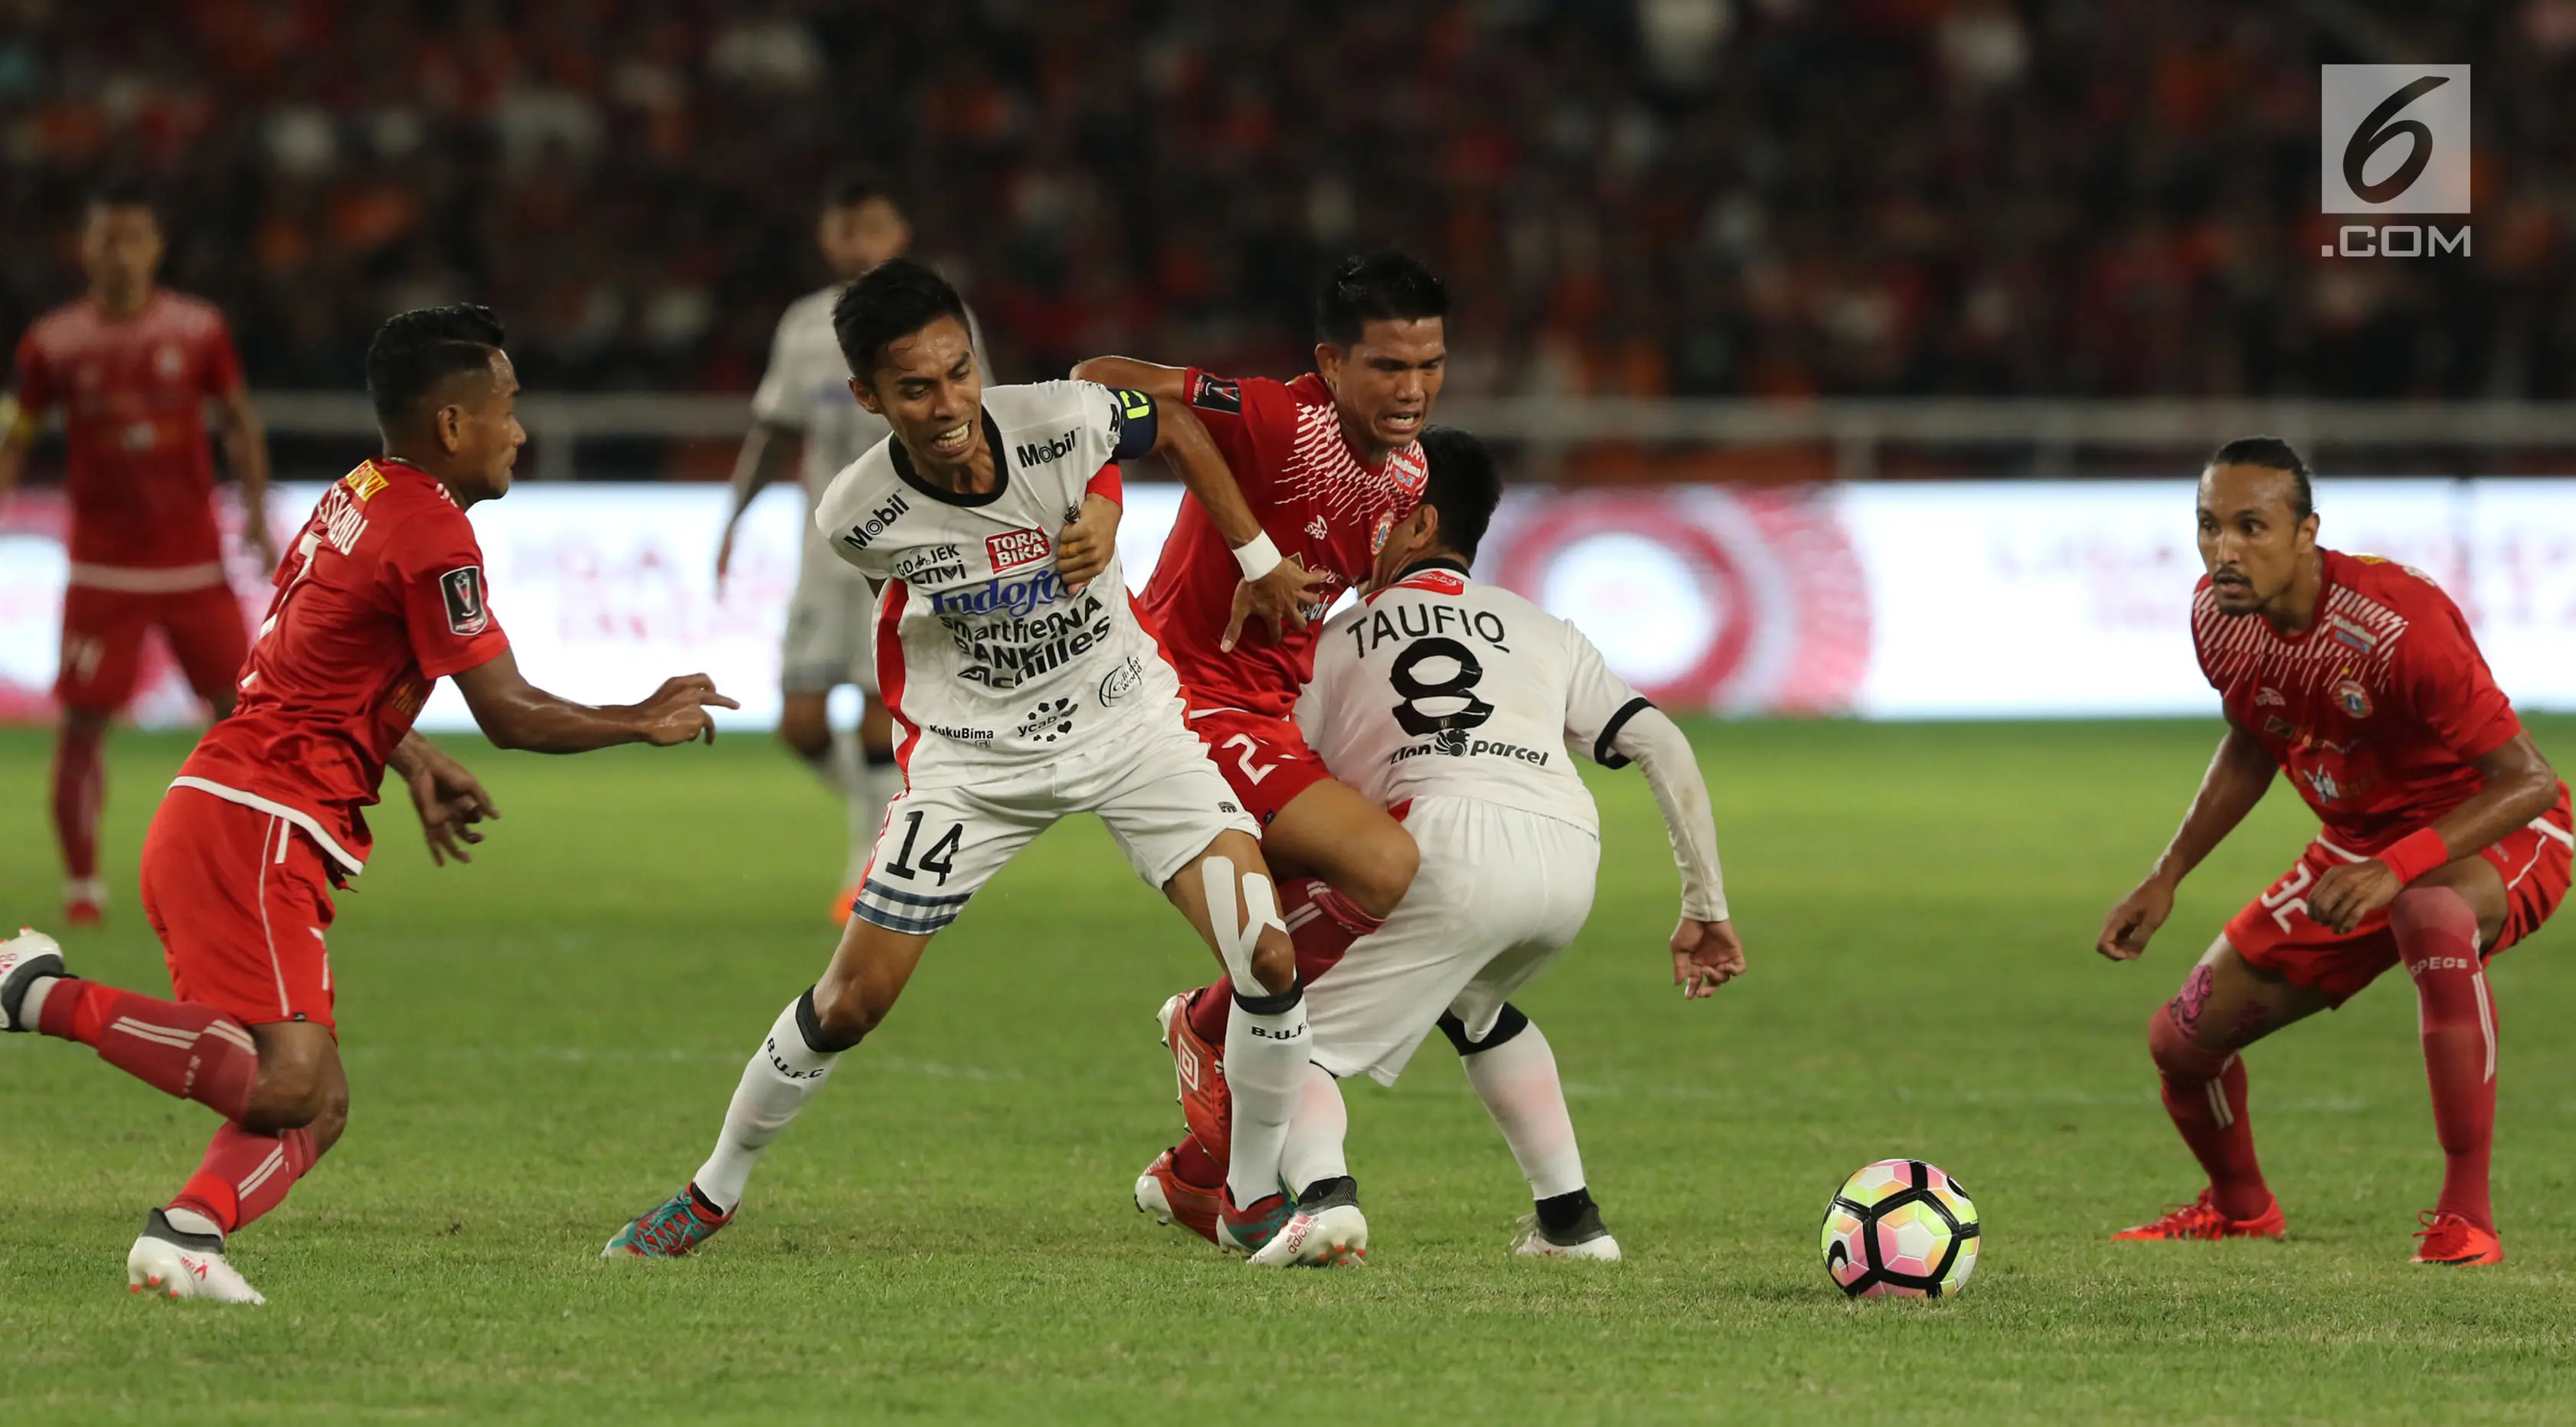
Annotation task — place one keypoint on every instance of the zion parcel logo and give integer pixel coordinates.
(2394, 139)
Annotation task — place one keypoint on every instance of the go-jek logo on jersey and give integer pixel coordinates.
(1018, 596)
(877, 523)
(1038, 453)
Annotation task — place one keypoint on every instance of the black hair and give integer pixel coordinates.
(417, 350)
(1384, 286)
(890, 302)
(1464, 486)
(124, 191)
(2272, 454)
(851, 187)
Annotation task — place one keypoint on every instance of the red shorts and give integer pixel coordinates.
(2274, 933)
(240, 899)
(103, 634)
(1265, 758)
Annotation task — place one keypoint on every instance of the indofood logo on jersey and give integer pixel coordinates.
(1017, 595)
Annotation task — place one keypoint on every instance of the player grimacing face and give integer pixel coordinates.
(1383, 386)
(478, 431)
(927, 389)
(2251, 541)
(857, 236)
(120, 248)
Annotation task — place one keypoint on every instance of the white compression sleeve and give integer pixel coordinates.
(1661, 752)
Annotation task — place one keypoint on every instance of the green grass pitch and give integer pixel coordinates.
(541, 1045)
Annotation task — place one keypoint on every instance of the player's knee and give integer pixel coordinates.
(292, 1094)
(1274, 962)
(1383, 873)
(807, 738)
(334, 1117)
(2422, 910)
(2176, 1054)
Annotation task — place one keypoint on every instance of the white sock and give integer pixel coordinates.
(1313, 1151)
(31, 1007)
(874, 786)
(783, 1074)
(1517, 1081)
(1265, 1067)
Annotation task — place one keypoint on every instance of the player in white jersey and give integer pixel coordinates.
(1462, 706)
(804, 400)
(1022, 690)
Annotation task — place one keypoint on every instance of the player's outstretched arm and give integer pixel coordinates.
(450, 799)
(2239, 774)
(2520, 786)
(514, 713)
(246, 447)
(1160, 382)
(763, 459)
(1706, 951)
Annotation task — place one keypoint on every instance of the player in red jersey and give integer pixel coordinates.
(1323, 467)
(381, 596)
(2446, 839)
(132, 365)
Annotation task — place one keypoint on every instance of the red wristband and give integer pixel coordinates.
(2415, 854)
(1108, 483)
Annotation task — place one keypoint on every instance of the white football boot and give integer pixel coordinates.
(183, 1265)
(25, 959)
(1327, 1231)
(1588, 1239)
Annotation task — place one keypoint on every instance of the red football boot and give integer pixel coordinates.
(2201, 1219)
(1249, 1230)
(2450, 1239)
(1200, 1069)
(1163, 1193)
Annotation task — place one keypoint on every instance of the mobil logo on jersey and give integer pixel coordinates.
(1054, 448)
(859, 536)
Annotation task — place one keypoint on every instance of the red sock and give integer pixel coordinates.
(2437, 936)
(245, 1174)
(1322, 924)
(1195, 1166)
(2204, 1092)
(177, 1047)
(80, 791)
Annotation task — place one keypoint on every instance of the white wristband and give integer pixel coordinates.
(1258, 557)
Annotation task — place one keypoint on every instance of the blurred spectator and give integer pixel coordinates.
(2091, 197)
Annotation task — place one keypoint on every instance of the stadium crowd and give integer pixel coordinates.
(2092, 197)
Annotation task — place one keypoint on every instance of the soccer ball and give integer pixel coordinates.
(1900, 1228)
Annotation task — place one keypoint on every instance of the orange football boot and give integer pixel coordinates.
(2450, 1239)
(2201, 1219)
(1200, 1070)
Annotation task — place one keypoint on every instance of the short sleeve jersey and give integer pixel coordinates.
(1315, 498)
(132, 390)
(1440, 686)
(380, 596)
(2376, 711)
(985, 658)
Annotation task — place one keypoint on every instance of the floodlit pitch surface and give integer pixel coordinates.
(541, 1044)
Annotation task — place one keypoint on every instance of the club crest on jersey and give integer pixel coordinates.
(1378, 533)
(1215, 394)
(879, 520)
(463, 589)
(2352, 698)
(2268, 698)
(1017, 549)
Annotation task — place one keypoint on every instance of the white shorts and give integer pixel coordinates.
(1152, 784)
(828, 623)
(1500, 893)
